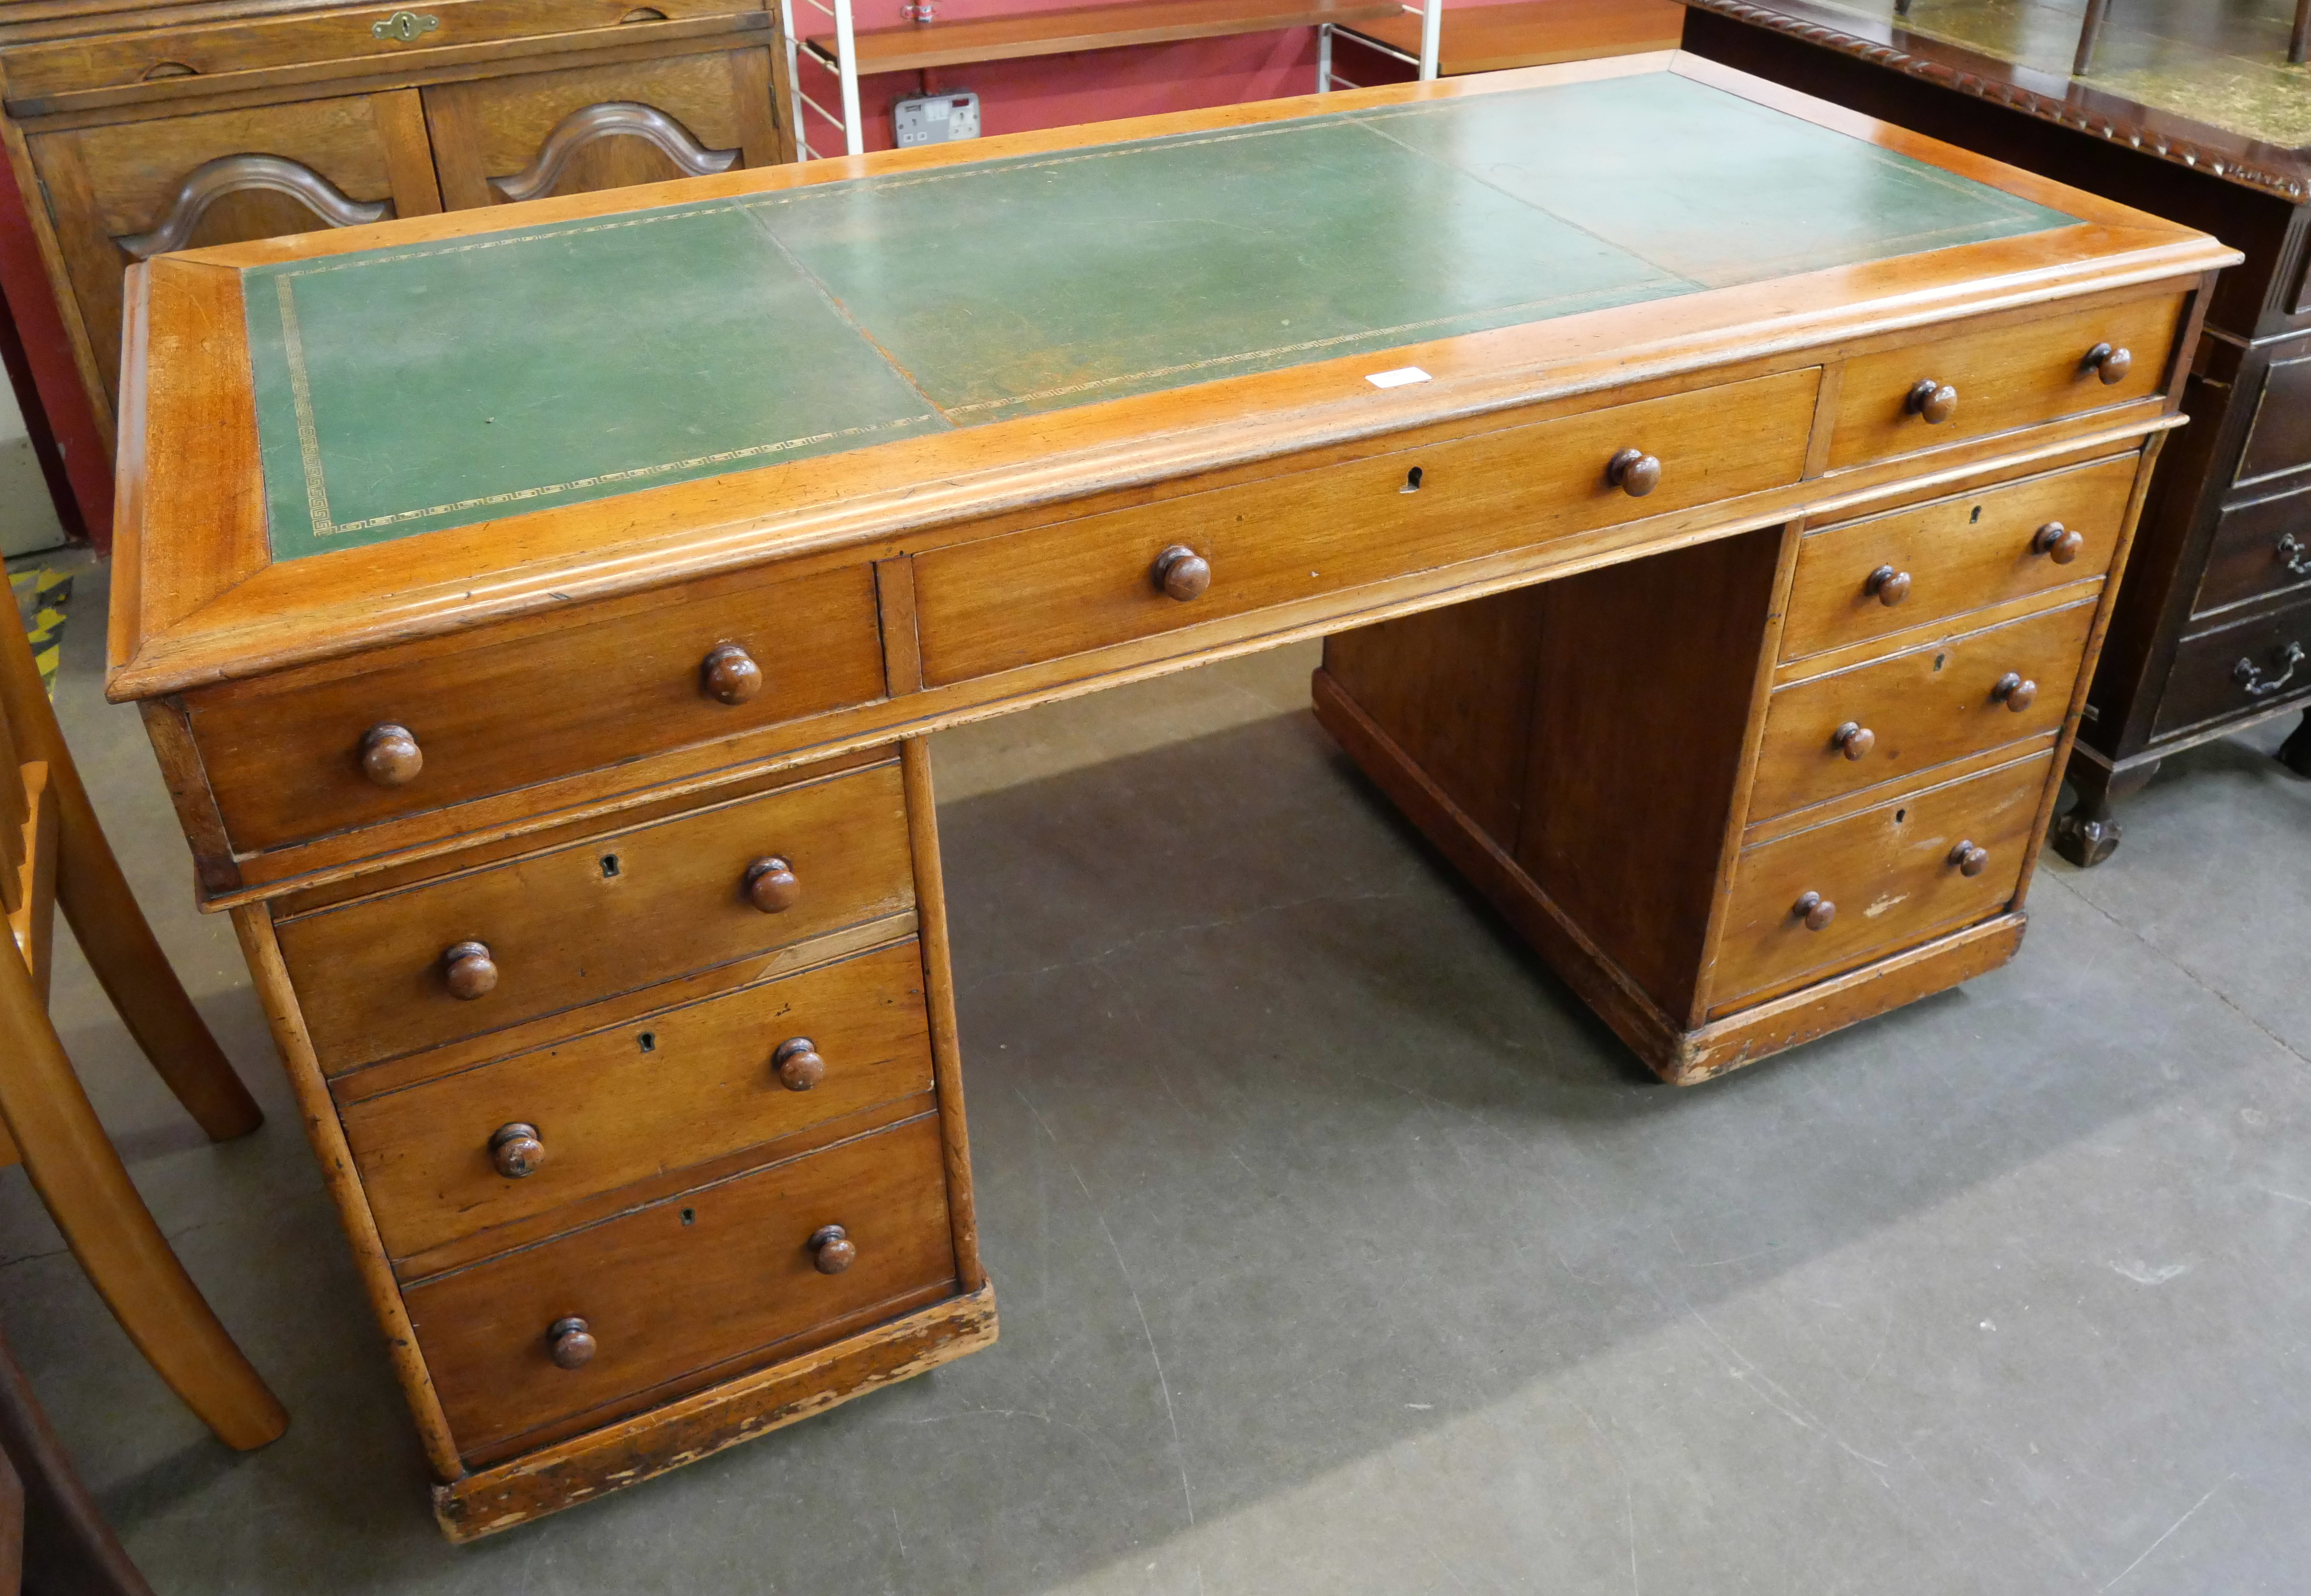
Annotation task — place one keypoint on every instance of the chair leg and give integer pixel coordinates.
(111, 929)
(2299, 43)
(79, 1175)
(67, 1544)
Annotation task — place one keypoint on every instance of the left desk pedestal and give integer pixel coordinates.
(623, 1200)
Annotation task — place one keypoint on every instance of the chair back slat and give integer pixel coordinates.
(15, 810)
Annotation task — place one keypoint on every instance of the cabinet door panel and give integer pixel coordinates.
(131, 190)
(588, 128)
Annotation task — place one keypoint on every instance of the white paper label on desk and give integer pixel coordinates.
(1397, 378)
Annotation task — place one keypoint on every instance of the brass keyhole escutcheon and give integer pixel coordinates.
(404, 26)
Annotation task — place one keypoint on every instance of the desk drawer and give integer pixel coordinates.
(688, 1290)
(1917, 708)
(2017, 375)
(2247, 667)
(284, 755)
(1052, 591)
(1954, 555)
(614, 912)
(120, 58)
(1892, 875)
(2261, 548)
(672, 1089)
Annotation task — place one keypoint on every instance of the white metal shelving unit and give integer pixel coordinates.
(842, 65)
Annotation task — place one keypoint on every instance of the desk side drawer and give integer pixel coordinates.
(1052, 591)
(615, 912)
(675, 1088)
(2017, 375)
(284, 754)
(1918, 709)
(1955, 555)
(686, 1291)
(1893, 873)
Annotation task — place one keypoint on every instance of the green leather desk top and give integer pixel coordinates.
(432, 385)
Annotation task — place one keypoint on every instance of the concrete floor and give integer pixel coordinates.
(1340, 1250)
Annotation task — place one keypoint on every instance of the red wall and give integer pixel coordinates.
(1090, 86)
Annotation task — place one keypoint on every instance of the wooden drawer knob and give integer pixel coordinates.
(1888, 586)
(1933, 401)
(1854, 739)
(570, 1342)
(2016, 692)
(1635, 472)
(1970, 857)
(831, 1248)
(515, 1150)
(798, 1065)
(772, 887)
(2110, 364)
(730, 674)
(1182, 573)
(1816, 911)
(2057, 542)
(469, 969)
(389, 754)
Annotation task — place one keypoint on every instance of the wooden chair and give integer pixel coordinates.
(55, 1540)
(51, 852)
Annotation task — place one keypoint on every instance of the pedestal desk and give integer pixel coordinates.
(1713, 501)
(2191, 111)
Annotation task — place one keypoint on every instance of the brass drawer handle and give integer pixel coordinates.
(729, 675)
(2293, 555)
(1888, 586)
(515, 1150)
(2057, 542)
(771, 885)
(2258, 685)
(470, 970)
(404, 26)
(570, 1342)
(1182, 573)
(1970, 857)
(797, 1063)
(832, 1249)
(389, 754)
(1816, 911)
(1635, 472)
(1933, 401)
(1854, 739)
(2017, 691)
(2111, 365)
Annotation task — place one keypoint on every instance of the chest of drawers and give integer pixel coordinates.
(2213, 630)
(578, 825)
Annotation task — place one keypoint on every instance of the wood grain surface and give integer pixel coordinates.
(1925, 706)
(682, 1087)
(614, 913)
(1966, 552)
(1889, 872)
(689, 1289)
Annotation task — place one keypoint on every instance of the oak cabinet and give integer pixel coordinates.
(174, 127)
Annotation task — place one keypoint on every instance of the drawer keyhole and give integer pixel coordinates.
(647, 1041)
(609, 865)
(1411, 480)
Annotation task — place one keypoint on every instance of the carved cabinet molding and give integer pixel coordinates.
(221, 121)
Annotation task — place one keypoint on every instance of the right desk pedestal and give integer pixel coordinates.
(1746, 792)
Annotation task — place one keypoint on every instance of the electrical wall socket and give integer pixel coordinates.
(936, 118)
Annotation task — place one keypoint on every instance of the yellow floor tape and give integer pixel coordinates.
(40, 599)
